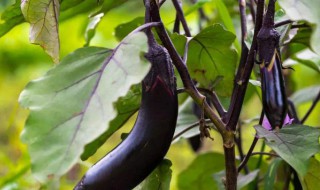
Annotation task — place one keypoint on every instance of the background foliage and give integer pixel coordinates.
(21, 62)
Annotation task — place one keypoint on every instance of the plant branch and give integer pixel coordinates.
(314, 103)
(215, 100)
(278, 24)
(181, 17)
(183, 71)
(243, 75)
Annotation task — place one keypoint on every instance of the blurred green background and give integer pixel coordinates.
(21, 62)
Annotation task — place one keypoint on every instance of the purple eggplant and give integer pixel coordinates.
(273, 92)
(139, 154)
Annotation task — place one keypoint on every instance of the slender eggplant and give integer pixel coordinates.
(273, 89)
(274, 96)
(148, 142)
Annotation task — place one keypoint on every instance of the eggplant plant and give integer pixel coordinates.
(218, 74)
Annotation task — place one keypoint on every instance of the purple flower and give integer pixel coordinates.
(267, 125)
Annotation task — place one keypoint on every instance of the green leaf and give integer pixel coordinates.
(244, 180)
(308, 58)
(312, 179)
(293, 143)
(305, 10)
(10, 18)
(124, 29)
(179, 42)
(159, 179)
(110, 4)
(91, 28)
(73, 103)
(185, 119)
(199, 173)
(303, 36)
(71, 8)
(67, 4)
(126, 106)
(226, 19)
(211, 61)
(269, 179)
(305, 95)
(196, 6)
(43, 18)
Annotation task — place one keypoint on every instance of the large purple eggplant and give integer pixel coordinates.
(148, 142)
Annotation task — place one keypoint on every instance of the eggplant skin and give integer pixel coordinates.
(273, 93)
(148, 142)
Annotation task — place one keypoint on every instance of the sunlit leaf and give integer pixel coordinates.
(10, 18)
(126, 106)
(211, 61)
(73, 103)
(293, 143)
(124, 29)
(303, 36)
(199, 174)
(305, 94)
(307, 10)
(91, 28)
(43, 18)
(159, 179)
(226, 19)
(308, 58)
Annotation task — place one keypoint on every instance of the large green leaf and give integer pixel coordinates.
(11, 17)
(199, 174)
(294, 143)
(159, 179)
(305, 10)
(211, 61)
(126, 106)
(43, 18)
(73, 103)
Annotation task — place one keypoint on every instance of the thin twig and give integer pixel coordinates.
(238, 140)
(214, 98)
(278, 24)
(207, 121)
(253, 144)
(314, 103)
(264, 153)
(215, 101)
(181, 17)
(300, 26)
